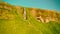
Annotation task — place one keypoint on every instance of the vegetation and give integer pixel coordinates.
(12, 22)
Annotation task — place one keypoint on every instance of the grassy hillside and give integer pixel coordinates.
(12, 22)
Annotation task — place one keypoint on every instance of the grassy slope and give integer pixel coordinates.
(30, 26)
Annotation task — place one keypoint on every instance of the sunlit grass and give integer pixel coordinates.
(18, 25)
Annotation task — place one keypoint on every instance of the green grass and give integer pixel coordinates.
(20, 26)
(30, 26)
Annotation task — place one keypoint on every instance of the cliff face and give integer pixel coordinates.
(45, 15)
(6, 11)
(39, 14)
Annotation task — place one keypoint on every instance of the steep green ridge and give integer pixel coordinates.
(12, 22)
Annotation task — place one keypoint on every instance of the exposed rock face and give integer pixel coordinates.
(5, 10)
(44, 15)
(39, 14)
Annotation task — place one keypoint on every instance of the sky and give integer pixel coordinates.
(42, 4)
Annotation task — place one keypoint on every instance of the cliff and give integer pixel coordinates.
(39, 14)
(21, 20)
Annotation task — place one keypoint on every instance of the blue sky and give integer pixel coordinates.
(43, 4)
